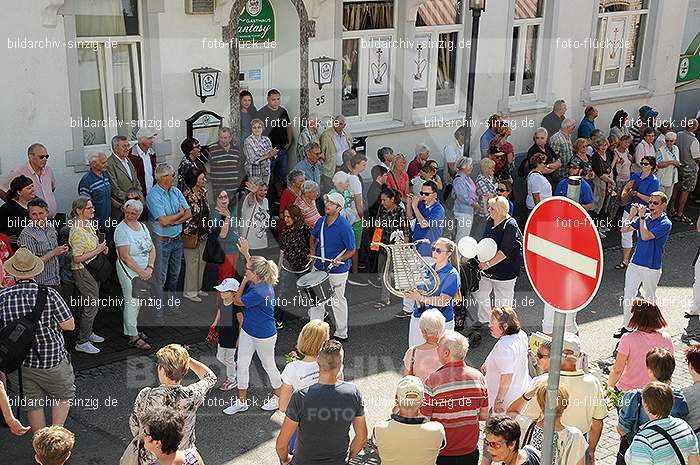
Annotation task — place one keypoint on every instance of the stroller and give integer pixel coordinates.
(469, 282)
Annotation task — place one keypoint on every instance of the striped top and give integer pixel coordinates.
(454, 394)
(650, 447)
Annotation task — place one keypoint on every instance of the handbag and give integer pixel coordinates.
(140, 288)
(100, 268)
(213, 252)
(190, 241)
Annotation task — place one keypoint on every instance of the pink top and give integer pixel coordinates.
(644, 149)
(425, 362)
(398, 182)
(623, 170)
(44, 185)
(310, 212)
(636, 345)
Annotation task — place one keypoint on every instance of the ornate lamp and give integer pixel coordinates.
(324, 69)
(206, 82)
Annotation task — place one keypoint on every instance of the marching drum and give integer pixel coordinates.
(314, 288)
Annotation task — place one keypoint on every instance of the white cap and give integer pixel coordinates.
(337, 198)
(409, 391)
(572, 343)
(146, 132)
(228, 284)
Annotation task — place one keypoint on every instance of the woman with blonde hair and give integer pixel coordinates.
(398, 177)
(258, 335)
(446, 257)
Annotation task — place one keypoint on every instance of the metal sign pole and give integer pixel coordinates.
(553, 386)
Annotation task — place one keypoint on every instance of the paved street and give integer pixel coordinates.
(373, 360)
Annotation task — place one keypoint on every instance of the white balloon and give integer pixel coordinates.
(467, 247)
(486, 249)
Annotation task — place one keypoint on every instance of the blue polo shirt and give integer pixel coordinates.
(585, 196)
(649, 253)
(161, 203)
(585, 129)
(258, 310)
(337, 236)
(449, 284)
(645, 186)
(311, 172)
(435, 216)
(98, 189)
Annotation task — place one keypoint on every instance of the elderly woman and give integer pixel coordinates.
(422, 153)
(501, 271)
(645, 183)
(502, 153)
(504, 189)
(646, 147)
(42, 240)
(224, 229)
(194, 234)
(85, 247)
(629, 370)
(191, 149)
(667, 163)
(398, 177)
(248, 112)
(485, 189)
(538, 187)
(137, 257)
(421, 360)
(581, 154)
(13, 213)
(290, 194)
(505, 368)
(446, 257)
(173, 363)
(307, 203)
(466, 201)
(309, 133)
(255, 215)
(603, 183)
(258, 333)
(259, 152)
(552, 161)
(502, 442)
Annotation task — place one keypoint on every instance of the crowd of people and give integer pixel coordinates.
(136, 221)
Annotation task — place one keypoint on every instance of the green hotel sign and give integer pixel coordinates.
(689, 64)
(257, 22)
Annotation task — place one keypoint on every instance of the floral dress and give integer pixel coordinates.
(199, 225)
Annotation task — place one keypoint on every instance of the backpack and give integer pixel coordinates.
(19, 336)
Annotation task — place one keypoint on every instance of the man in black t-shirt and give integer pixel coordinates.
(278, 127)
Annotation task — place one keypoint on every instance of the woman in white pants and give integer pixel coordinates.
(258, 332)
(446, 265)
(464, 191)
(501, 271)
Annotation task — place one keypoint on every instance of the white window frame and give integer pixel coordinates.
(523, 25)
(363, 68)
(433, 32)
(629, 20)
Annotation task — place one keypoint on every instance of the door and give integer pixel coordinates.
(255, 75)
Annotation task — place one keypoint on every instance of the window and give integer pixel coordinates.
(369, 37)
(109, 64)
(620, 42)
(526, 49)
(435, 55)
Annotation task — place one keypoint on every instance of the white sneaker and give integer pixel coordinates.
(272, 403)
(235, 407)
(203, 294)
(193, 298)
(95, 338)
(87, 348)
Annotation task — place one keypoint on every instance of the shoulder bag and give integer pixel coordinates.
(670, 440)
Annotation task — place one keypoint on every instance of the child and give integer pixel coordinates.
(341, 181)
(229, 329)
(53, 445)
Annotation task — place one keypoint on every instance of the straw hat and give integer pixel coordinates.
(24, 264)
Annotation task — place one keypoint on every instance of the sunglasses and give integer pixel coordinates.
(656, 202)
(493, 444)
(645, 164)
(44, 157)
(425, 194)
(438, 250)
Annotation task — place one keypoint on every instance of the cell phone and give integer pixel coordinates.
(100, 237)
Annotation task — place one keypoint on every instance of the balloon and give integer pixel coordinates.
(486, 249)
(467, 246)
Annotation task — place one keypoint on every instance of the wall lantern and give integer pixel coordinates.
(206, 82)
(324, 69)
(477, 5)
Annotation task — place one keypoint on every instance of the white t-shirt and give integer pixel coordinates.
(254, 222)
(300, 374)
(452, 151)
(537, 184)
(355, 187)
(508, 356)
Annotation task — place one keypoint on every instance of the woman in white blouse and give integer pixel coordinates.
(538, 188)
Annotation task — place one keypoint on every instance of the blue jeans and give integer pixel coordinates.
(278, 169)
(168, 262)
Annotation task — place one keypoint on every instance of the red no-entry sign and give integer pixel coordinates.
(563, 254)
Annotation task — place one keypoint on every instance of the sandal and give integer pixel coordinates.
(142, 335)
(139, 344)
(621, 266)
(684, 219)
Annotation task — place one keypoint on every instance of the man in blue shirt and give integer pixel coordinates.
(333, 239)
(430, 222)
(310, 165)
(585, 129)
(95, 185)
(585, 197)
(489, 135)
(645, 266)
(168, 210)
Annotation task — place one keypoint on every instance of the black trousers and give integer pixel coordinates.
(469, 459)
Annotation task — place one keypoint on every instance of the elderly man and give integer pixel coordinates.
(561, 144)
(143, 157)
(422, 153)
(585, 129)
(96, 186)
(310, 133)
(168, 210)
(37, 170)
(554, 120)
(453, 152)
(227, 168)
(122, 174)
(310, 166)
(42, 240)
(334, 141)
(456, 396)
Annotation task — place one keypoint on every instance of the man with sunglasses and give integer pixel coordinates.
(645, 267)
(37, 170)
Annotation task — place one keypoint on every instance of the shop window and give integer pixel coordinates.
(620, 43)
(363, 16)
(99, 18)
(526, 49)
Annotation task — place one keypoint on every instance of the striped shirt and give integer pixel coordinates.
(650, 447)
(98, 189)
(226, 168)
(41, 241)
(454, 394)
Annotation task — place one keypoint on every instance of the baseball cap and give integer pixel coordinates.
(337, 198)
(146, 132)
(644, 109)
(409, 391)
(228, 284)
(572, 343)
(575, 162)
